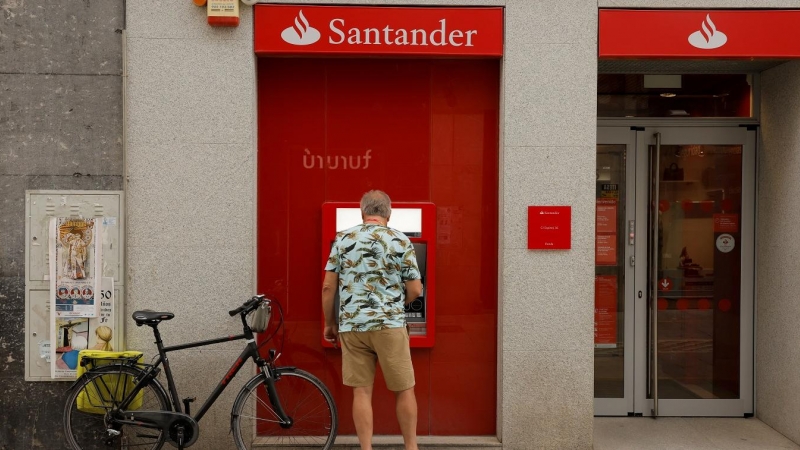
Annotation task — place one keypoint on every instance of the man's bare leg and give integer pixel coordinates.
(362, 415)
(406, 408)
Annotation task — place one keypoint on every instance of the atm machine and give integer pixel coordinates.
(418, 222)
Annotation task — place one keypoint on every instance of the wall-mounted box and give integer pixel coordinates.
(40, 207)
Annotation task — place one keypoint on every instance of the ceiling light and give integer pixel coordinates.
(667, 94)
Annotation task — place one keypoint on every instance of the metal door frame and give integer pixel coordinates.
(717, 135)
(637, 140)
(624, 136)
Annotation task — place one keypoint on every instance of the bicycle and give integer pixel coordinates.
(120, 403)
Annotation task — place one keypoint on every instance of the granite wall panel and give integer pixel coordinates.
(777, 335)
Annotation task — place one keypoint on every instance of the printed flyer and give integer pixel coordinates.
(75, 282)
(75, 263)
(70, 335)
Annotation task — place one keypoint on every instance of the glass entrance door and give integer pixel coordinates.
(684, 267)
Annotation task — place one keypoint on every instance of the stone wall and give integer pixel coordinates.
(777, 286)
(60, 128)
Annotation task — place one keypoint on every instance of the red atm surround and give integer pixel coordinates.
(427, 236)
(443, 116)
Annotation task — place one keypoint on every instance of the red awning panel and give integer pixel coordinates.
(711, 34)
(355, 30)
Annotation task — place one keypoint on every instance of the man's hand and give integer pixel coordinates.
(331, 335)
(329, 285)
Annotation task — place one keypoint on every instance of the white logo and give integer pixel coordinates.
(708, 37)
(301, 33)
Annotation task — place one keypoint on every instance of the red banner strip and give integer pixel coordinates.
(699, 34)
(345, 30)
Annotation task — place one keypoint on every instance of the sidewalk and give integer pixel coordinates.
(644, 433)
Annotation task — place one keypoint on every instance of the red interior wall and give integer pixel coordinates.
(432, 130)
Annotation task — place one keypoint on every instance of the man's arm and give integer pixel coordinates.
(413, 290)
(329, 286)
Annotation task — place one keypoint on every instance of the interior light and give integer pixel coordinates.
(667, 94)
(678, 112)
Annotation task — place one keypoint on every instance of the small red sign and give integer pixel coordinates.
(726, 223)
(606, 215)
(605, 250)
(676, 33)
(549, 227)
(371, 30)
(605, 310)
(665, 284)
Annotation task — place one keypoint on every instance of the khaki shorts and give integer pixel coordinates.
(389, 347)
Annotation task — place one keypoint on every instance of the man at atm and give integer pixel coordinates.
(375, 270)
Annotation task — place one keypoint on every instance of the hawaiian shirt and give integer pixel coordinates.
(373, 262)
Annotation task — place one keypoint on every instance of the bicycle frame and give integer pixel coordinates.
(250, 352)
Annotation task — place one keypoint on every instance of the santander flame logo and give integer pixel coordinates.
(301, 33)
(708, 37)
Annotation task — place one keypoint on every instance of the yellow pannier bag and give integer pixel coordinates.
(96, 397)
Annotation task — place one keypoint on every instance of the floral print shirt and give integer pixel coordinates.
(373, 262)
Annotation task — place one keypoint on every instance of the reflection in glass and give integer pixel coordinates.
(609, 326)
(699, 270)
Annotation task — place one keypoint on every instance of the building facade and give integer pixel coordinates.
(207, 140)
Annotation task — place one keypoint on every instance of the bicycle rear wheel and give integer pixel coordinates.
(304, 398)
(86, 413)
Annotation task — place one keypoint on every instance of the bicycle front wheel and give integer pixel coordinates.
(87, 421)
(304, 399)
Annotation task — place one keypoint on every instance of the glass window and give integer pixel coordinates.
(692, 95)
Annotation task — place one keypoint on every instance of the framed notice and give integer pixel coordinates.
(605, 250)
(605, 311)
(606, 215)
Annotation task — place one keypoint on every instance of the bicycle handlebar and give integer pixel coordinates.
(249, 305)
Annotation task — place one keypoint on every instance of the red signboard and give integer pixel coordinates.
(726, 223)
(370, 30)
(606, 216)
(605, 310)
(605, 249)
(699, 34)
(549, 227)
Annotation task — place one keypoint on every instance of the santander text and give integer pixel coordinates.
(400, 36)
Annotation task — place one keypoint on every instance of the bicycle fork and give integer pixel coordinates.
(272, 393)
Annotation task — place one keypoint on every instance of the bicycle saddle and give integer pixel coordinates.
(148, 317)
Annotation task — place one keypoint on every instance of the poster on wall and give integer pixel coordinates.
(69, 335)
(75, 263)
(605, 311)
(75, 279)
